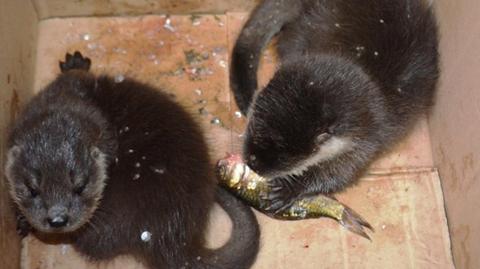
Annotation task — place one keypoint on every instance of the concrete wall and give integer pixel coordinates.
(455, 128)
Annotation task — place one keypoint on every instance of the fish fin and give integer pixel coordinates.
(355, 223)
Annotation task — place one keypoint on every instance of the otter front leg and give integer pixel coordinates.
(23, 227)
(327, 177)
(283, 192)
(75, 62)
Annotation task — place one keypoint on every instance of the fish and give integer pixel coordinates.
(235, 176)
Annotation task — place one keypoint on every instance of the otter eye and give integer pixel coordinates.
(33, 192)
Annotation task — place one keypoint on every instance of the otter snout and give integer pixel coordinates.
(57, 216)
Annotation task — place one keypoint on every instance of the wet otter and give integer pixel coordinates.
(354, 77)
(121, 169)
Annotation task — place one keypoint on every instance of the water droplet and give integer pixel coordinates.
(199, 258)
(159, 170)
(238, 114)
(384, 226)
(311, 83)
(137, 164)
(399, 90)
(130, 151)
(375, 53)
(382, 21)
(146, 236)
(116, 160)
(252, 157)
(126, 129)
(147, 133)
(136, 176)
(250, 66)
(251, 56)
(337, 25)
(144, 158)
(119, 78)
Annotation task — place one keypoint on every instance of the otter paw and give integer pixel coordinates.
(23, 227)
(283, 193)
(75, 61)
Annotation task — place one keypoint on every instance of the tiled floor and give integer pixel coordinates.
(188, 57)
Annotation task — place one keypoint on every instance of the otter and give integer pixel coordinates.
(354, 76)
(120, 168)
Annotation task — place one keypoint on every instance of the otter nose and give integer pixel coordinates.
(57, 216)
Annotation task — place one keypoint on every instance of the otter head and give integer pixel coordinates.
(312, 110)
(56, 172)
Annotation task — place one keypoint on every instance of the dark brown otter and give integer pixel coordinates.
(354, 76)
(121, 169)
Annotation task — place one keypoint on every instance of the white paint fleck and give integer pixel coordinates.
(152, 56)
(375, 53)
(126, 129)
(382, 21)
(216, 121)
(384, 226)
(146, 236)
(137, 164)
(399, 90)
(198, 92)
(130, 151)
(311, 83)
(199, 258)
(136, 176)
(222, 63)
(92, 46)
(337, 25)
(252, 157)
(144, 158)
(64, 249)
(119, 78)
(250, 66)
(167, 25)
(86, 37)
(238, 114)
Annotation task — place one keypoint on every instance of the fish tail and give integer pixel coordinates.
(355, 223)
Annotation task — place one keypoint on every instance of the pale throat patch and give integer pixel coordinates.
(328, 150)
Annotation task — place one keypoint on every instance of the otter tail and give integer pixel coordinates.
(266, 20)
(241, 250)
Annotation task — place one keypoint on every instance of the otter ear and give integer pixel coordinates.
(321, 138)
